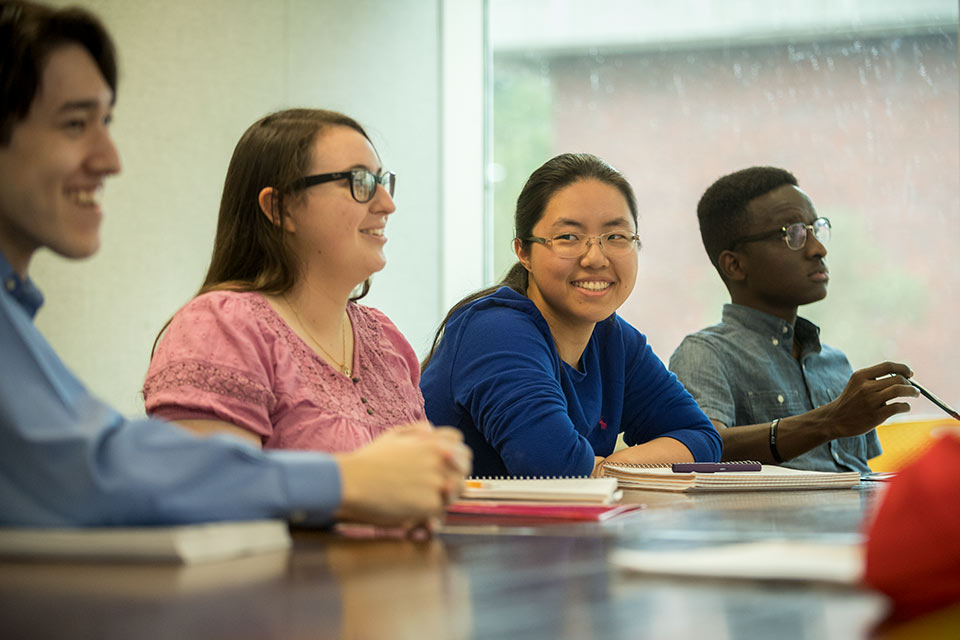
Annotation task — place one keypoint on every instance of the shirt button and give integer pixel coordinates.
(775, 342)
(785, 329)
(10, 284)
(780, 398)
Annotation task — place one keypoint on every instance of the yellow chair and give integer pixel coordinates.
(903, 441)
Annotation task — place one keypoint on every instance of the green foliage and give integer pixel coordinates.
(522, 141)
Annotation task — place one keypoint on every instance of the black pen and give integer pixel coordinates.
(935, 400)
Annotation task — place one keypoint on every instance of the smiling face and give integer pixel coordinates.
(576, 293)
(52, 171)
(773, 278)
(333, 235)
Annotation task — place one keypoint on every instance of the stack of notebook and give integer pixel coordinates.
(765, 478)
(596, 490)
(541, 499)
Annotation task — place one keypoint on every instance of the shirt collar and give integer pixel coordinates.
(807, 333)
(23, 291)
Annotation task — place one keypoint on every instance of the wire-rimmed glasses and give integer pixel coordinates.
(573, 245)
(794, 235)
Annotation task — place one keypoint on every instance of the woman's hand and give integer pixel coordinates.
(405, 478)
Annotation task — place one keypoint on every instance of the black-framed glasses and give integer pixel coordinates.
(573, 245)
(363, 183)
(794, 235)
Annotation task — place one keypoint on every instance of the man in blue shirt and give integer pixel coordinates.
(69, 459)
(773, 390)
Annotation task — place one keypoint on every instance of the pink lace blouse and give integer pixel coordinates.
(229, 356)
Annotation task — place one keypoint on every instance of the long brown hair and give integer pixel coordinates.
(250, 251)
(555, 174)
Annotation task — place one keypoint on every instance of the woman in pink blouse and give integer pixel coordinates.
(274, 347)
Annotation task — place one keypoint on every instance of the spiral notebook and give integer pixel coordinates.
(768, 478)
(591, 490)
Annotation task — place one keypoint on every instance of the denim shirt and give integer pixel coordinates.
(742, 372)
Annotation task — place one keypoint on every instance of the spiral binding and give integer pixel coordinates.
(665, 465)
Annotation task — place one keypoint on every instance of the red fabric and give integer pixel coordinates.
(913, 544)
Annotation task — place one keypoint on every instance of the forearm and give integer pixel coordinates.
(205, 428)
(152, 473)
(537, 439)
(795, 435)
(564, 460)
(658, 450)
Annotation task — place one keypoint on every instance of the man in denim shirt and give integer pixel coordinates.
(773, 390)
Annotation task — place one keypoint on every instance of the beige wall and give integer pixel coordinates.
(194, 75)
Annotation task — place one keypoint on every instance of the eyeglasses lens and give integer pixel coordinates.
(617, 244)
(796, 235)
(364, 184)
(613, 245)
(821, 229)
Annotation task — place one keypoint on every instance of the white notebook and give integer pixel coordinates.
(663, 478)
(181, 544)
(596, 490)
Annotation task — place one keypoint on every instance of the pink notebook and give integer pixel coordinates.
(576, 511)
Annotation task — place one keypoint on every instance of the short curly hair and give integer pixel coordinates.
(722, 210)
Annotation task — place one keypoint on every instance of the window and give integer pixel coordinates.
(858, 99)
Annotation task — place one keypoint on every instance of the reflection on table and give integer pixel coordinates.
(471, 581)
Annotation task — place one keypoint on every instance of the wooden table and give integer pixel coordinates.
(518, 582)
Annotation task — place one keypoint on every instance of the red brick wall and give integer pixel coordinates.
(869, 127)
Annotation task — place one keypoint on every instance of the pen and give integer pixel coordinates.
(935, 400)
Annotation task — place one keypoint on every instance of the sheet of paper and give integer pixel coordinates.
(767, 560)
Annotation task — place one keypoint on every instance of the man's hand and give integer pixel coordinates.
(866, 400)
(403, 478)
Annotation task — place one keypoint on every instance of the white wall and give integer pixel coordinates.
(194, 75)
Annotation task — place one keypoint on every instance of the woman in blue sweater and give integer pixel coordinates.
(540, 373)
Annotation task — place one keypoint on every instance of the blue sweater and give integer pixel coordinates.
(496, 376)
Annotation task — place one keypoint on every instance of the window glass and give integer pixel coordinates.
(858, 99)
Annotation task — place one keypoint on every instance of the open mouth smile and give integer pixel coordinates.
(592, 285)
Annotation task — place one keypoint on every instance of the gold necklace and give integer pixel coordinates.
(342, 363)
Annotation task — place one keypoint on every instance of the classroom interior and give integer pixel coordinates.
(463, 99)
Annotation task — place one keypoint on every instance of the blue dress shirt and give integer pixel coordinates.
(67, 458)
(742, 371)
(496, 375)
